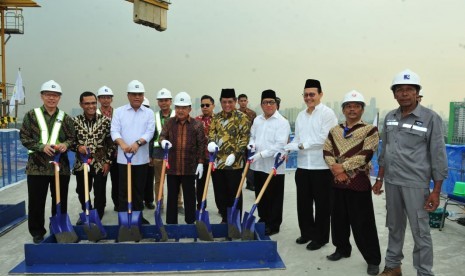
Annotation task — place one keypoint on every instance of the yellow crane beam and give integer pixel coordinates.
(6, 5)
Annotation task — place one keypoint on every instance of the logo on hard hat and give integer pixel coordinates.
(106, 90)
(137, 86)
(182, 99)
(406, 77)
(354, 95)
(53, 86)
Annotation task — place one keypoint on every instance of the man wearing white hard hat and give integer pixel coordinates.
(132, 127)
(185, 138)
(348, 151)
(164, 101)
(413, 153)
(105, 98)
(46, 131)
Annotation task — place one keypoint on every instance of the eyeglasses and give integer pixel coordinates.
(51, 95)
(268, 102)
(311, 94)
(89, 103)
(205, 105)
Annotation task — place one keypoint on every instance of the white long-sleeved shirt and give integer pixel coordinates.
(269, 136)
(312, 130)
(131, 125)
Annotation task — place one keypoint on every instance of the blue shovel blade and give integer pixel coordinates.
(130, 219)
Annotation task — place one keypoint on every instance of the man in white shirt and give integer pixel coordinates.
(132, 127)
(313, 176)
(269, 134)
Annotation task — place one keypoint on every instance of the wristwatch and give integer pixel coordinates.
(139, 142)
(379, 179)
(300, 146)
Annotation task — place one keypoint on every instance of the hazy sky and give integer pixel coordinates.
(247, 45)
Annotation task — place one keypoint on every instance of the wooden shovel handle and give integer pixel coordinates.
(162, 180)
(244, 175)
(129, 187)
(262, 191)
(56, 167)
(207, 181)
(86, 184)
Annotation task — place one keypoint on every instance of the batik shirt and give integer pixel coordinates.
(38, 162)
(95, 135)
(353, 148)
(188, 140)
(231, 132)
(206, 121)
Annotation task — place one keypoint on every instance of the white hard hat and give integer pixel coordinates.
(136, 86)
(146, 102)
(353, 96)
(182, 99)
(406, 77)
(51, 86)
(104, 91)
(164, 94)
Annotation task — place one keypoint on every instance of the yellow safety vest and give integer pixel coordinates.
(45, 138)
(159, 126)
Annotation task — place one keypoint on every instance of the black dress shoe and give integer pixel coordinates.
(314, 246)
(38, 239)
(336, 256)
(301, 240)
(150, 205)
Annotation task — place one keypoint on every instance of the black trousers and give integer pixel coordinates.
(37, 189)
(149, 196)
(98, 182)
(353, 209)
(114, 176)
(314, 187)
(200, 186)
(225, 185)
(139, 175)
(270, 207)
(174, 182)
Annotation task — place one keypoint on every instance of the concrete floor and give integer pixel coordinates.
(449, 244)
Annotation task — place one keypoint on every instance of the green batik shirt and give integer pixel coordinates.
(38, 162)
(231, 132)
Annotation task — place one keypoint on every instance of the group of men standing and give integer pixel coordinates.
(333, 162)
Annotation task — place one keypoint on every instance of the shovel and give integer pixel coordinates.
(60, 223)
(158, 220)
(204, 230)
(234, 216)
(248, 224)
(130, 221)
(92, 224)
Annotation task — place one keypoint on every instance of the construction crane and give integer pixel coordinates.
(12, 22)
(151, 13)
